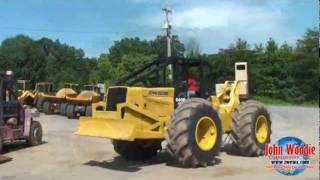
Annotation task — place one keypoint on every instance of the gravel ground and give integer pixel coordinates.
(67, 156)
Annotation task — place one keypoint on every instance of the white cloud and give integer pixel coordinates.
(217, 23)
(217, 15)
(201, 17)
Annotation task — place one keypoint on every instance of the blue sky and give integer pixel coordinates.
(94, 25)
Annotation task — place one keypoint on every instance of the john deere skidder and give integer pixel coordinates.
(138, 119)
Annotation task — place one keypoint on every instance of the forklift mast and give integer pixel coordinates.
(9, 104)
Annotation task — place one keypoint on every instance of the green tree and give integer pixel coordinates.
(128, 46)
(305, 66)
(24, 56)
(160, 46)
(271, 46)
(104, 71)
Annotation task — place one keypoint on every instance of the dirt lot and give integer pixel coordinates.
(66, 156)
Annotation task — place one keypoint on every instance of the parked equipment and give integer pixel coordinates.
(191, 120)
(51, 103)
(25, 94)
(33, 98)
(81, 104)
(16, 121)
(41, 89)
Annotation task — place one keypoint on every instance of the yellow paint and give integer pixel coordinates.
(60, 95)
(65, 91)
(226, 102)
(86, 97)
(33, 94)
(115, 129)
(206, 133)
(146, 111)
(99, 105)
(261, 129)
(25, 94)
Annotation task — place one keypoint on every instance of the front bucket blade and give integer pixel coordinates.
(108, 128)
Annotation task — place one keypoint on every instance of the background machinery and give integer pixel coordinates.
(25, 94)
(30, 97)
(51, 103)
(81, 104)
(16, 121)
(41, 89)
(138, 119)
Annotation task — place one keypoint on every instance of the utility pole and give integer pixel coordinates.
(167, 26)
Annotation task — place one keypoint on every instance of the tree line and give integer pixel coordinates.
(280, 71)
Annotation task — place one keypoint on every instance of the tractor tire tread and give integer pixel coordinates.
(178, 144)
(243, 121)
(32, 140)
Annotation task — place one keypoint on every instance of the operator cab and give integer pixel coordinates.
(190, 77)
(44, 87)
(23, 85)
(71, 86)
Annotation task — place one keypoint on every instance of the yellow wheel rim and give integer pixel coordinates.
(261, 129)
(206, 133)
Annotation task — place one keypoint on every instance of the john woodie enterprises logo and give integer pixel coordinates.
(290, 155)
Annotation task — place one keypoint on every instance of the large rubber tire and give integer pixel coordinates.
(63, 109)
(47, 107)
(137, 150)
(243, 128)
(35, 135)
(39, 104)
(88, 111)
(71, 114)
(181, 132)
